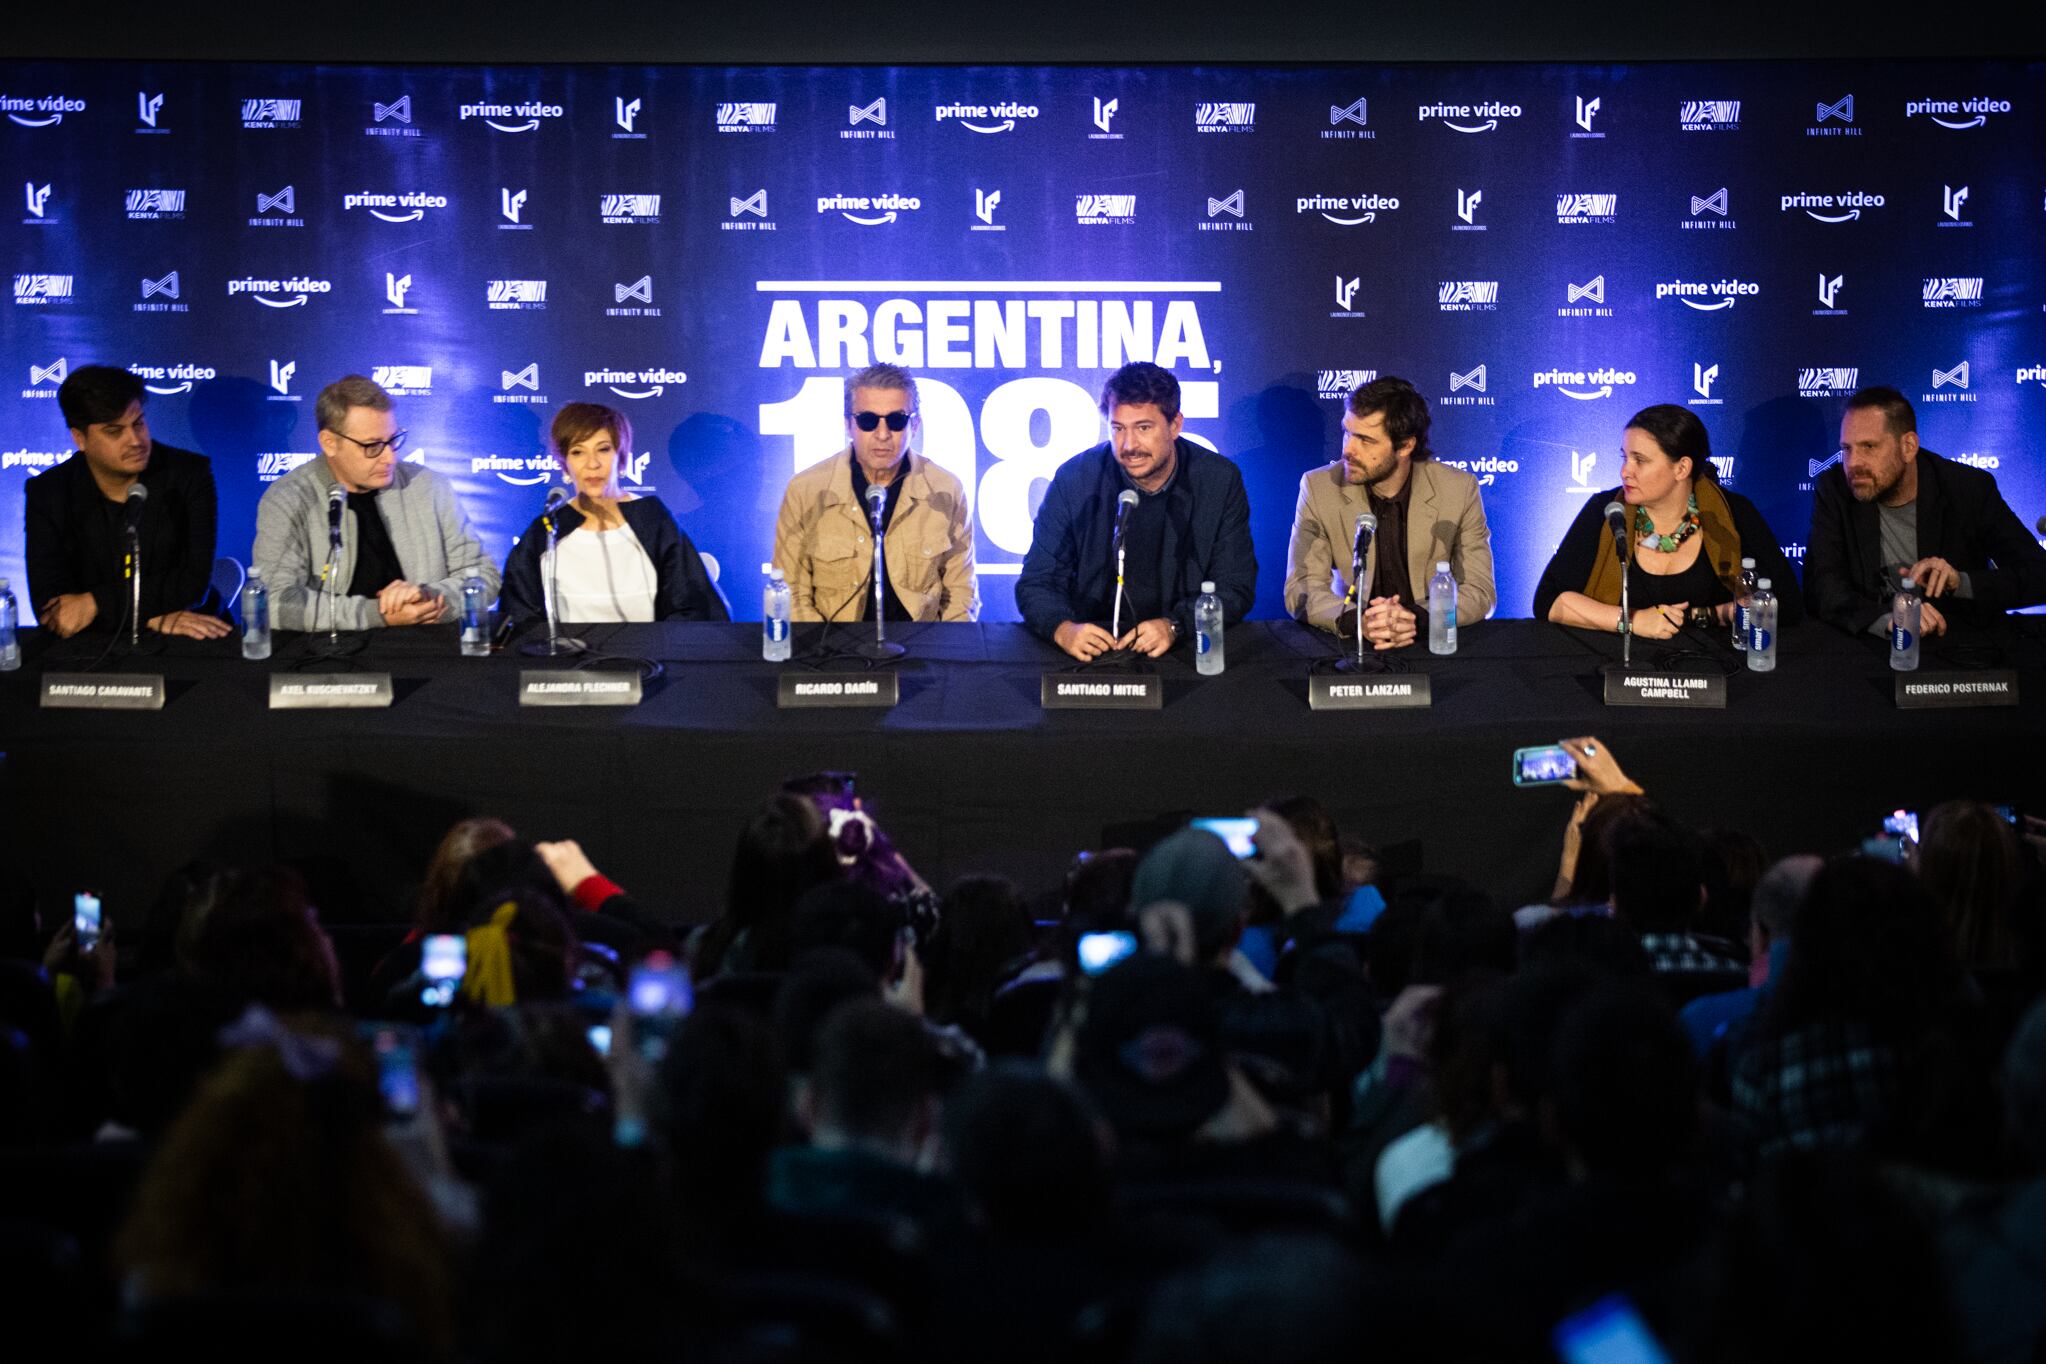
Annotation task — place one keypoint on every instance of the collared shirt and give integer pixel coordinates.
(1144, 592)
(1389, 576)
(891, 605)
(376, 558)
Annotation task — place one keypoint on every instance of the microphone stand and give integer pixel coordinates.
(134, 586)
(330, 585)
(1118, 659)
(1362, 663)
(879, 648)
(557, 644)
(1626, 610)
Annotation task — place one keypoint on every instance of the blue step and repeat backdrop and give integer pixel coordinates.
(1541, 249)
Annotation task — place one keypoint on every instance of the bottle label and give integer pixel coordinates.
(777, 629)
(1203, 641)
(1901, 639)
(1759, 639)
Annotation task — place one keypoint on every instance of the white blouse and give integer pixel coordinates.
(605, 575)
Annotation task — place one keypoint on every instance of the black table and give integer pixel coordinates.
(967, 771)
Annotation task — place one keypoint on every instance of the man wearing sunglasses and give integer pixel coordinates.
(821, 537)
(406, 547)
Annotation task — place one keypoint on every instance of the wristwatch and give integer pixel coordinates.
(1622, 625)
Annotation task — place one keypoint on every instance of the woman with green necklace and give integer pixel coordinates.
(1687, 537)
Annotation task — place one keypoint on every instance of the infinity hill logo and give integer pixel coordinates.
(1709, 212)
(633, 299)
(399, 109)
(52, 374)
(875, 113)
(1468, 390)
(1833, 120)
(1349, 121)
(1577, 296)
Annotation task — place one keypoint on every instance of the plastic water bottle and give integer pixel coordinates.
(256, 616)
(1208, 631)
(10, 623)
(775, 644)
(1740, 605)
(1762, 629)
(475, 626)
(1442, 610)
(1906, 619)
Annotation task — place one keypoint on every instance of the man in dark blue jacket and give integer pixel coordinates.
(1189, 523)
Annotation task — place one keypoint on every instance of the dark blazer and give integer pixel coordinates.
(74, 545)
(1962, 518)
(1570, 567)
(683, 589)
(1069, 573)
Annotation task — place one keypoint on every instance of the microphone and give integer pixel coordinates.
(1616, 523)
(877, 500)
(1123, 506)
(137, 495)
(337, 498)
(2040, 525)
(555, 497)
(1367, 526)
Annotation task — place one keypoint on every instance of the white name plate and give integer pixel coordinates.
(330, 691)
(802, 690)
(91, 691)
(1647, 687)
(1927, 690)
(1103, 691)
(540, 688)
(1353, 691)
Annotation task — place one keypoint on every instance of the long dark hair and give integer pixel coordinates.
(782, 852)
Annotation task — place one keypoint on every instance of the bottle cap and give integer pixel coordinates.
(1747, 563)
(255, 570)
(1762, 583)
(1207, 587)
(1909, 585)
(1442, 565)
(767, 569)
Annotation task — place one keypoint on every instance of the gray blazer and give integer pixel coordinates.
(436, 548)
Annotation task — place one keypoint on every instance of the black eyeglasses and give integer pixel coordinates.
(869, 420)
(375, 449)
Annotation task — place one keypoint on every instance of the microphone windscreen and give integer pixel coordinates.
(137, 493)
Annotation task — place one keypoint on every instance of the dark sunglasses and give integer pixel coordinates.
(869, 420)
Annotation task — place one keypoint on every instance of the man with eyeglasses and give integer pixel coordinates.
(1182, 515)
(821, 535)
(406, 547)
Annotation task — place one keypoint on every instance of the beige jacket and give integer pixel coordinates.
(1445, 520)
(820, 542)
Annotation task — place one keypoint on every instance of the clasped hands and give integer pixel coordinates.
(1387, 624)
(1150, 638)
(403, 603)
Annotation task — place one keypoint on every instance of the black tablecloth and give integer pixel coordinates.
(967, 771)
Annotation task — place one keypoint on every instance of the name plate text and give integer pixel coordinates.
(1927, 690)
(538, 688)
(330, 691)
(1646, 687)
(800, 690)
(1350, 691)
(91, 691)
(1103, 691)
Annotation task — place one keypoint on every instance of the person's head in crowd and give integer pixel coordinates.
(1097, 890)
(1823, 1259)
(2024, 1086)
(1968, 861)
(1030, 1154)
(983, 932)
(1594, 940)
(30, 1046)
(1624, 1082)
(1362, 864)
(1779, 895)
(254, 934)
(156, 953)
(442, 892)
(811, 992)
(504, 1071)
(721, 1104)
(1458, 929)
(1530, 1008)
(781, 852)
(1656, 883)
(1272, 1300)
(278, 1179)
(1866, 948)
(522, 950)
(1195, 868)
(874, 1085)
(1879, 443)
(1148, 1049)
(1731, 862)
(1463, 1054)
(1317, 831)
(854, 916)
(1591, 881)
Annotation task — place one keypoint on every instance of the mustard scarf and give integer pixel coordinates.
(488, 981)
(1722, 546)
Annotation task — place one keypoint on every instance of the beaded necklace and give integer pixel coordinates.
(1667, 544)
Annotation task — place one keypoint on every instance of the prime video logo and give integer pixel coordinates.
(1842, 208)
(985, 118)
(1584, 385)
(1468, 118)
(646, 383)
(875, 211)
(45, 112)
(1347, 210)
(1958, 115)
(1726, 292)
(413, 206)
(296, 290)
(511, 118)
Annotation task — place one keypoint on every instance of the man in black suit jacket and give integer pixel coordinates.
(1894, 510)
(76, 514)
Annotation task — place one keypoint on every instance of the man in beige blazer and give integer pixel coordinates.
(821, 536)
(1426, 512)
